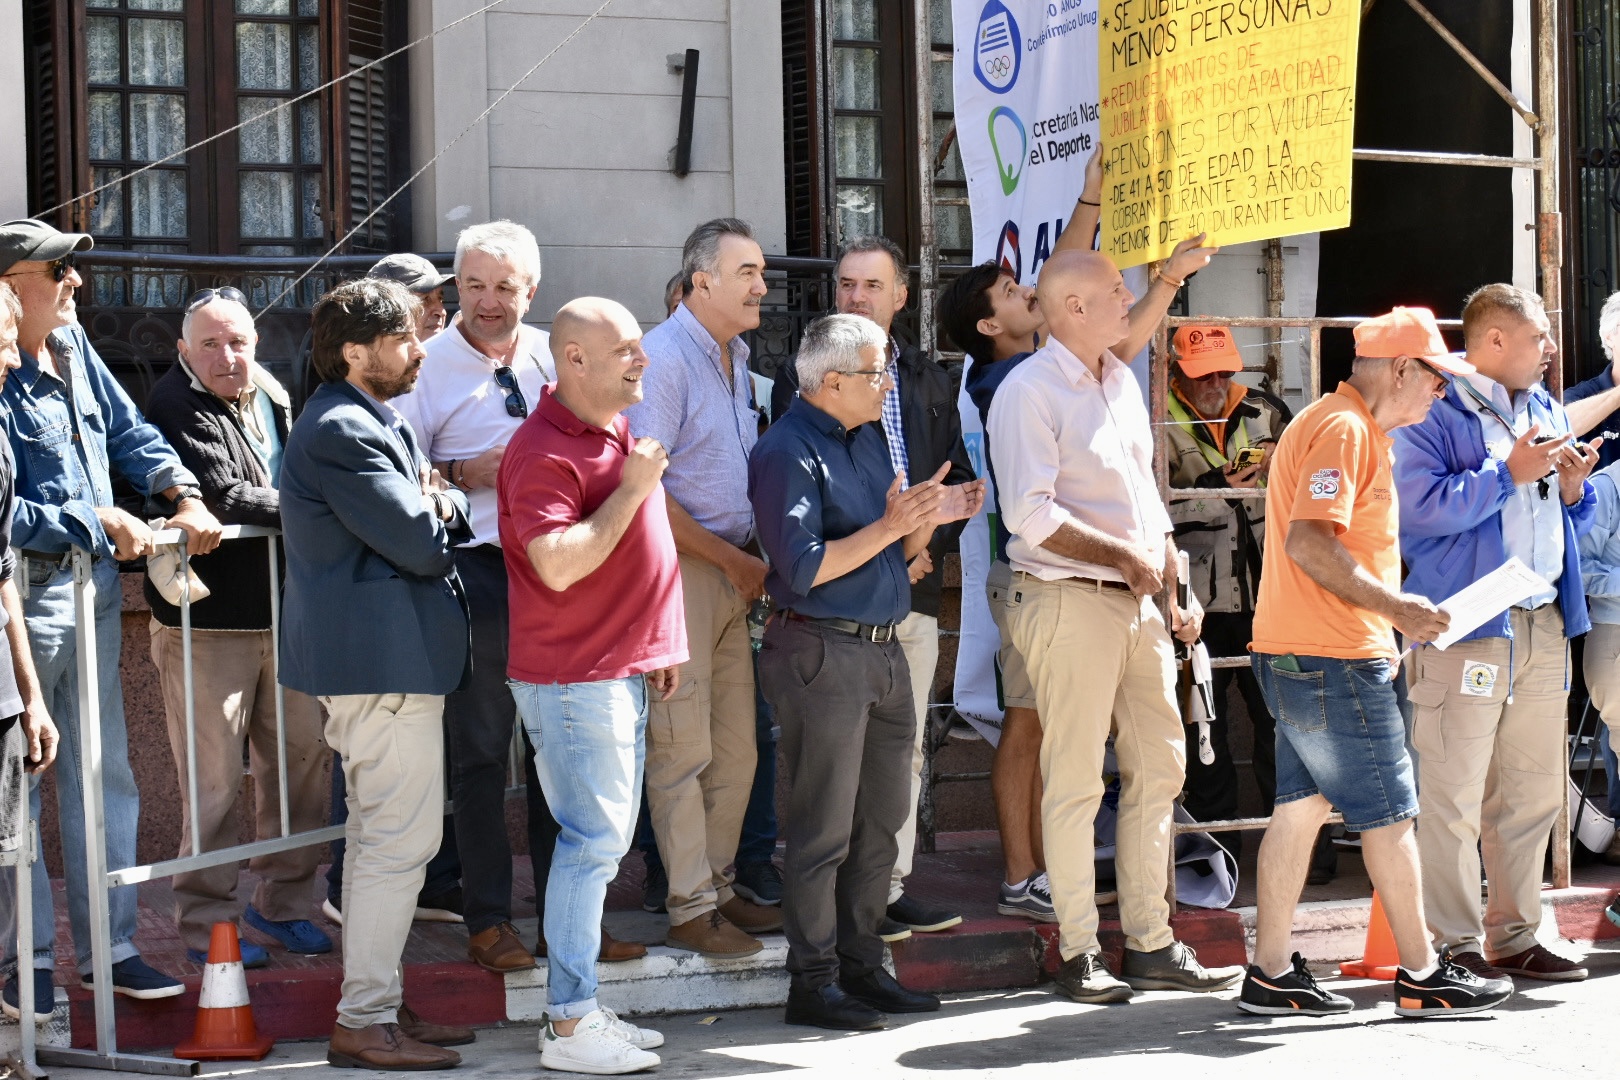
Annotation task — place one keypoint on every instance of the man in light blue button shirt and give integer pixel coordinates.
(699, 404)
(1494, 473)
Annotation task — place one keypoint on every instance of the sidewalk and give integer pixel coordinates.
(295, 997)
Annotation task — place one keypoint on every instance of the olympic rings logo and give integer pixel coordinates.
(998, 66)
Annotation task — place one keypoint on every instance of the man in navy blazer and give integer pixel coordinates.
(376, 628)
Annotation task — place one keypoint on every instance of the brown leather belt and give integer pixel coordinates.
(1089, 582)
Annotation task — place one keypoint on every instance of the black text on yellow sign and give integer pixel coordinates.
(1227, 117)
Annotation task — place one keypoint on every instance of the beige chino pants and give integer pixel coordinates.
(234, 690)
(1102, 661)
(1491, 777)
(701, 747)
(1601, 665)
(919, 640)
(393, 763)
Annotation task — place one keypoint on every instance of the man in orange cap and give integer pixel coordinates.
(1220, 427)
(1324, 651)
(1494, 473)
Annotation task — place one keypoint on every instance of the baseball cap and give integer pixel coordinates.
(412, 271)
(1203, 350)
(1408, 331)
(31, 240)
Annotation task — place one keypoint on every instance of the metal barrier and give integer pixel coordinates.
(1158, 398)
(106, 1054)
(25, 1062)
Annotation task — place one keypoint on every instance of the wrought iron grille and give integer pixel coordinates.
(1595, 153)
(132, 303)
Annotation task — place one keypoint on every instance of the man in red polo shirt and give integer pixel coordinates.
(597, 625)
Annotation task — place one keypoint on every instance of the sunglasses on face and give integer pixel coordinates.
(58, 269)
(208, 296)
(506, 379)
(1212, 376)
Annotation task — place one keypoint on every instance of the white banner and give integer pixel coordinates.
(1026, 121)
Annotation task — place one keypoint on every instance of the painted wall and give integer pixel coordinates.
(581, 151)
(13, 123)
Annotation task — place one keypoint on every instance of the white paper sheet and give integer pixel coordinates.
(1471, 607)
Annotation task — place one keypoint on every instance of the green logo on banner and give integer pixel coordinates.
(1009, 167)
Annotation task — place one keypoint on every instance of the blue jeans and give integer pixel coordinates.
(590, 742)
(48, 610)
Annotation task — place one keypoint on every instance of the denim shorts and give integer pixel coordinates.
(1340, 734)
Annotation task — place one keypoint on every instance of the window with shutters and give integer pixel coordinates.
(116, 85)
(850, 122)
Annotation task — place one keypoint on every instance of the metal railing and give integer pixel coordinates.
(100, 878)
(1158, 399)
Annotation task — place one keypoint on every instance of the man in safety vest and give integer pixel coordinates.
(1223, 436)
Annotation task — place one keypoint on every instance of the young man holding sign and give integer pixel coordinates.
(1324, 652)
(1491, 474)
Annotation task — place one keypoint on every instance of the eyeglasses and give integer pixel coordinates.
(506, 379)
(1212, 376)
(208, 296)
(1431, 369)
(58, 269)
(874, 376)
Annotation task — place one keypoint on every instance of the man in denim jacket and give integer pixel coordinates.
(70, 426)
(1494, 473)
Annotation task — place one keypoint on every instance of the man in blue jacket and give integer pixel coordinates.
(1494, 473)
(375, 627)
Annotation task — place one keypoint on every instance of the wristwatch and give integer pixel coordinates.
(187, 491)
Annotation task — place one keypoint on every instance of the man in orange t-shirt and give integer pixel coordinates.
(1324, 652)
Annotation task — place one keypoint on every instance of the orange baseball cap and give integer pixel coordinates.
(1203, 350)
(1408, 331)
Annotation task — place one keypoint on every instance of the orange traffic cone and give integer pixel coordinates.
(1380, 958)
(225, 1029)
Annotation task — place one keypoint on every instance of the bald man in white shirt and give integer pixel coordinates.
(1090, 552)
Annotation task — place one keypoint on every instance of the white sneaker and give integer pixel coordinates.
(638, 1037)
(330, 910)
(594, 1047)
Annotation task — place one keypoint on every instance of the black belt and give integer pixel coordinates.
(864, 631)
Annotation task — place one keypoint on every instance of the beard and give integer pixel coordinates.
(383, 384)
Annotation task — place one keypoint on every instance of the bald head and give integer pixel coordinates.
(1085, 301)
(596, 343)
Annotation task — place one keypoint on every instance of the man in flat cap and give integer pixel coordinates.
(71, 426)
(423, 279)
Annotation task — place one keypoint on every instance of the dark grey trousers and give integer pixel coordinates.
(844, 705)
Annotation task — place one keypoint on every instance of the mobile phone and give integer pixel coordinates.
(1248, 458)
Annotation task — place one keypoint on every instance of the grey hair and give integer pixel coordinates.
(504, 240)
(860, 245)
(702, 249)
(833, 343)
(185, 320)
(12, 303)
(1609, 324)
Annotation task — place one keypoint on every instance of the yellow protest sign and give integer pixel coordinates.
(1231, 117)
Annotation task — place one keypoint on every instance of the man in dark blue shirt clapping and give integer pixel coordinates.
(838, 524)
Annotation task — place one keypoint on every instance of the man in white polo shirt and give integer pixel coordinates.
(480, 378)
(1090, 553)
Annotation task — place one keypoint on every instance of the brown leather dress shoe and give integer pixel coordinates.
(750, 917)
(613, 950)
(711, 935)
(422, 1031)
(385, 1047)
(499, 950)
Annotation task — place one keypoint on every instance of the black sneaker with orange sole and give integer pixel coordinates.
(1295, 993)
(1451, 991)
